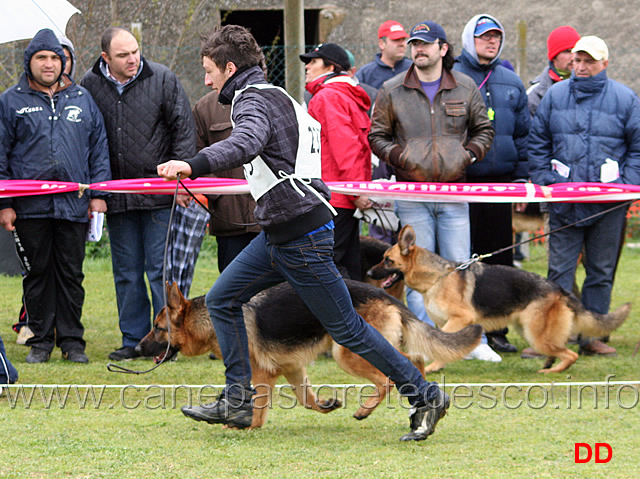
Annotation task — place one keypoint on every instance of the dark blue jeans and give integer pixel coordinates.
(137, 247)
(307, 264)
(601, 241)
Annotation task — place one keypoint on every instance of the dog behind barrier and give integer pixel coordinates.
(495, 297)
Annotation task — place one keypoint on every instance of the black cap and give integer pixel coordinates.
(330, 51)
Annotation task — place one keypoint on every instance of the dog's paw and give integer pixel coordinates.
(362, 413)
(329, 405)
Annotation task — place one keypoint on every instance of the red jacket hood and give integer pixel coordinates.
(344, 83)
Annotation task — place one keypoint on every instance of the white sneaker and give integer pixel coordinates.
(24, 334)
(483, 352)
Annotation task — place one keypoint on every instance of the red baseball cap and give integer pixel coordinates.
(393, 30)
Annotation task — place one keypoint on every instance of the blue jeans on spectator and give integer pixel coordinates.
(601, 241)
(137, 247)
(307, 264)
(442, 228)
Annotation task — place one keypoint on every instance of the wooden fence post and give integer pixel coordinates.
(521, 63)
(294, 46)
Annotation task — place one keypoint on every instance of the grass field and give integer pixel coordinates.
(130, 426)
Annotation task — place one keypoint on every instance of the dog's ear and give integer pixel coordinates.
(406, 239)
(175, 299)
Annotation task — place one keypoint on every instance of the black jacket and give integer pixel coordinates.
(148, 124)
(265, 124)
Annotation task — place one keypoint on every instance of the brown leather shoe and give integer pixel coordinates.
(597, 347)
(530, 353)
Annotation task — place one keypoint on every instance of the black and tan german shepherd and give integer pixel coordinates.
(371, 253)
(284, 337)
(495, 296)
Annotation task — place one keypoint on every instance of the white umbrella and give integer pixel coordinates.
(22, 19)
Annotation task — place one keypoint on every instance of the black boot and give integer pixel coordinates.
(424, 418)
(499, 342)
(235, 411)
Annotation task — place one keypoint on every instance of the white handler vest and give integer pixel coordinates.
(308, 159)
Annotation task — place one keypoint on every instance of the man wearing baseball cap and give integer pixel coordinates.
(390, 61)
(483, 40)
(586, 129)
(560, 42)
(430, 124)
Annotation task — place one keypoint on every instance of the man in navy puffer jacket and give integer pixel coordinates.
(506, 100)
(586, 129)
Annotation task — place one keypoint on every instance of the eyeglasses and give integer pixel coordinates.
(487, 37)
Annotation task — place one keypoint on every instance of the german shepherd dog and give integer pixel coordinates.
(284, 337)
(371, 253)
(495, 296)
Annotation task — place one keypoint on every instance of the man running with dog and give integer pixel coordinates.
(278, 144)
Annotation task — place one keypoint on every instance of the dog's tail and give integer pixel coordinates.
(594, 324)
(423, 339)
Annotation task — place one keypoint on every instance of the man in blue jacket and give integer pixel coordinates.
(506, 100)
(51, 129)
(586, 129)
(391, 60)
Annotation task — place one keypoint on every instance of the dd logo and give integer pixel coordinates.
(589, 452)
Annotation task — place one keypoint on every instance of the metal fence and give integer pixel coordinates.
(185, 62)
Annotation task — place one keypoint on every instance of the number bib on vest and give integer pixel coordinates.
(262, 178)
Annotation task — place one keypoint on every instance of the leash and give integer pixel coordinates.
(476, 257)
(211, 212)
(115, 368)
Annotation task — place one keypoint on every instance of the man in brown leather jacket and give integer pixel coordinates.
(430, 124)
(232, 222)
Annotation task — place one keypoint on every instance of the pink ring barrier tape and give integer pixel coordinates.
(409, 191)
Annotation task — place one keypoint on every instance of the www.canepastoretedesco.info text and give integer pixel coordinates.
(597, 395)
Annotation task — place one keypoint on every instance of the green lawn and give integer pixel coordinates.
(136, 430)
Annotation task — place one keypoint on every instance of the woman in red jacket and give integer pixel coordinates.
(341, 106)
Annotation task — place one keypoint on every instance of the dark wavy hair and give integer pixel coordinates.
(337, 68)
(232, 43)
(448, 60)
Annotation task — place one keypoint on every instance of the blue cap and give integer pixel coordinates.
(428, 32)
(484, 25)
